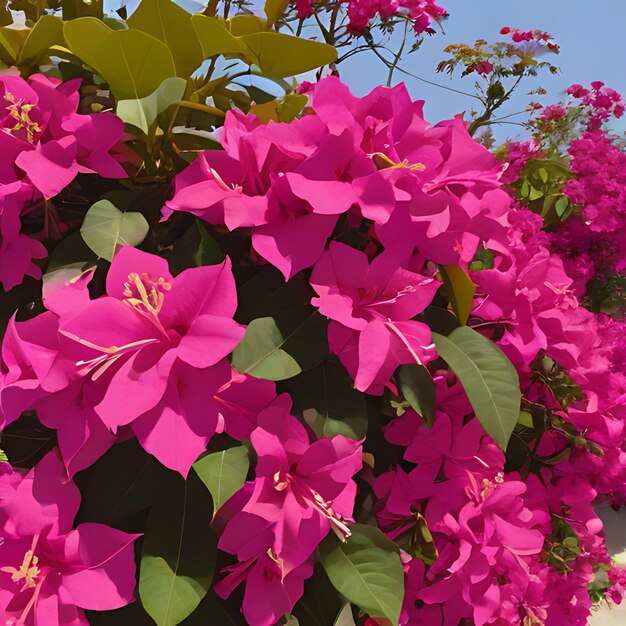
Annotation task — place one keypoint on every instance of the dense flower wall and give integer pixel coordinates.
(334, 364)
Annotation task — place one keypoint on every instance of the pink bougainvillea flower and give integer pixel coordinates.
(50, 573)
(300, 493)
(17, 250)
(270, 592)
(45, 140)
(371, 308)
(277, 179)
(149, 354)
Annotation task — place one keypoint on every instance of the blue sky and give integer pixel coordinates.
(593, 47)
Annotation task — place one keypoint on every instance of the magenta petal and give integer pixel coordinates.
(45, 497)
(374, 343)
(51, 166)
(209, 340)
(247, 536)
(295, 243)
(208, 290)
(327, 197)
(108, 579)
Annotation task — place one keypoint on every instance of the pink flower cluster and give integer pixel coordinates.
(50, 572)
(273, 525)
(361, 13)
(363, 198)
(44, 144)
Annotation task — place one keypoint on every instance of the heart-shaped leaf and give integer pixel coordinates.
(105, 228)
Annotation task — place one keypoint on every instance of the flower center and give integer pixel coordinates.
(33, 578)
(383, 162)
(28, 571)
(18, 119)
(145, 294)
(300, 489)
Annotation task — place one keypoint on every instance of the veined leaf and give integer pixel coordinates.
(215, 39)
(172, 25)
(143, 112)
(84, 38)
(105, 227)
(281, 55)
(223, 473)
(47, 32)
(366, 570)
(178, 556)
(488, 377)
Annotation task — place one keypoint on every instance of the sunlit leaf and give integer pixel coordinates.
(460, 290)
(170, 24)
(105, 228)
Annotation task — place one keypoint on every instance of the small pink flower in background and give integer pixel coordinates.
(50, 573)
(553, 112)
(147, 355)
(371, 307)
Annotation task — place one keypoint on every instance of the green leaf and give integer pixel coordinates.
(223, 473)
(84, 37)
(488, 377)
(366, 570)
(281, 55)
(460, 290)
(561, 205)
(134, 64)
(274, 9)
(328, 401)
(418, 389)
(178, 556)
(534, 194)
(172, 25)
(3, 457)
(209, 251)
(47, 32)
(276, 348)
(143, 112)
(215, 39)
(11, 42)
(105, 227)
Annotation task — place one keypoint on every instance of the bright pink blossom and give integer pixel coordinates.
(371, 307)
(50, 573)
(147, 355)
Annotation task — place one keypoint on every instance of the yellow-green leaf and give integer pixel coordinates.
(281, 55)
(84, 37)
(460, 290)
(282, 109)
(246, 25)
(216, 39)
(274, 9)
(172, 25)
(133, 63)
(11, 42)
(47, 32)
(105, 228)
